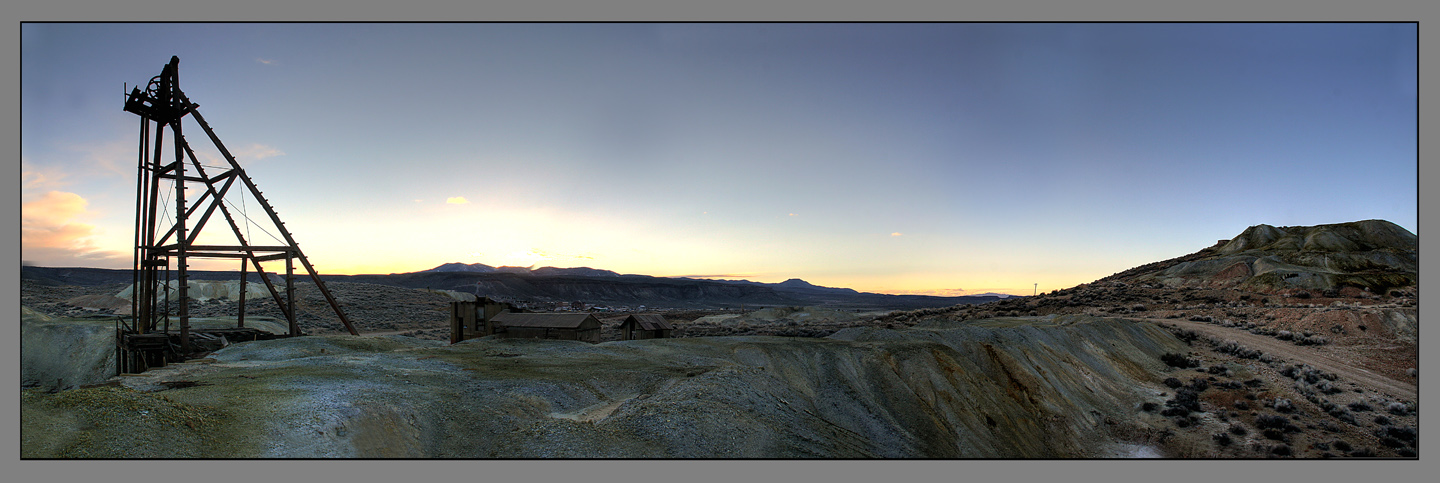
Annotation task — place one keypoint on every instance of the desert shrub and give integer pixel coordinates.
(1274, 434)
(1177, 360)
(1363, 453)
(1255, 382)
(1391, 442)
(1182, 422)
(1342, 445)
(1284, 405)
(1222, 439)
(1382, 420)
(1274, 421)
(1289, 371)
(1199, 385)
(1348, 418)
(1242, 405)
(1360, 406)
(1238, 430)
(1322, 446)
(1284, 335)
(1397, 408)
(1185, 398)
(1302, 295)
(1173, 383)
(1406, 434)
(1148, 407)
(1281, 450)
(1175, 412)
(1405, 452)
(1217, 369)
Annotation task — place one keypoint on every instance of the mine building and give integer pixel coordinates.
(645, 326)
(472, 318)
(582, 327)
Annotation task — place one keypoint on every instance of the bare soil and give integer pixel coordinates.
(1341, 360)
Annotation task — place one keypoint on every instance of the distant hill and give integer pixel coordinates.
(1373, 254)
(550, 284)
(542, 271)
(462, 267)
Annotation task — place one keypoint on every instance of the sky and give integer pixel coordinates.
(940, 159)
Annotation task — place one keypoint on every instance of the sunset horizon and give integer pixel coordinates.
(887, 158)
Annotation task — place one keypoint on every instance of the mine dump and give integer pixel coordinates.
(1282, 342)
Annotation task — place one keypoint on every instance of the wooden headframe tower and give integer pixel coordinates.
(165, 105)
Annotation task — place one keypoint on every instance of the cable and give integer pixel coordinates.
(250, 221)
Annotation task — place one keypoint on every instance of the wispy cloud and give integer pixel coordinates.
(113, 158)
(456, 200)
(940, 292)
(953, 292)
(897, 234)
(33, 178)
(267, 61)
(716, 275)
(51, 235)
(256, 151)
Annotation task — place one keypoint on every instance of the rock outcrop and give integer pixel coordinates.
(1370, 255)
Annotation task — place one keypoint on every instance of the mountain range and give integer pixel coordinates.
(1369, 255)
(580, 284)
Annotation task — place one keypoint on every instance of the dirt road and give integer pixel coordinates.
(1327, 358)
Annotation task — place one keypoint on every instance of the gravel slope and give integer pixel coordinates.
(1038, 389)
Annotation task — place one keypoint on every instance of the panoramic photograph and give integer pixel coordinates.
(679, 241)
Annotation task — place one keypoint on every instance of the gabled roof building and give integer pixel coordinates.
(645, 326)
(582, 327)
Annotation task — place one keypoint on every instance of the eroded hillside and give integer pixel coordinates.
(1066, 387)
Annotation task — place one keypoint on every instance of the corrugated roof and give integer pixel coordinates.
(553, 321)
(651, 322)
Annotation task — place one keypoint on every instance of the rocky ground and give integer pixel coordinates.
(1309, 374)
(1296, 374)
(1038, 389)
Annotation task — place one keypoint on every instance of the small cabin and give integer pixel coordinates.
(645, 326)
(582, 327)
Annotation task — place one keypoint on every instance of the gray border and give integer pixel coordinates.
(655, 10)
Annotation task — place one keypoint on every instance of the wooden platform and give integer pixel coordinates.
(136, 353)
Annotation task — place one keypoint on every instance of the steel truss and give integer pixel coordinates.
(164, 104)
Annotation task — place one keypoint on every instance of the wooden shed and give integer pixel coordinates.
(583, 327)
(471, 319)
(645, 326)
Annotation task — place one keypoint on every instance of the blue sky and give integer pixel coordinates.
(901, 158)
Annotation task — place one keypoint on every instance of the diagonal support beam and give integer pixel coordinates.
(269, 210)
